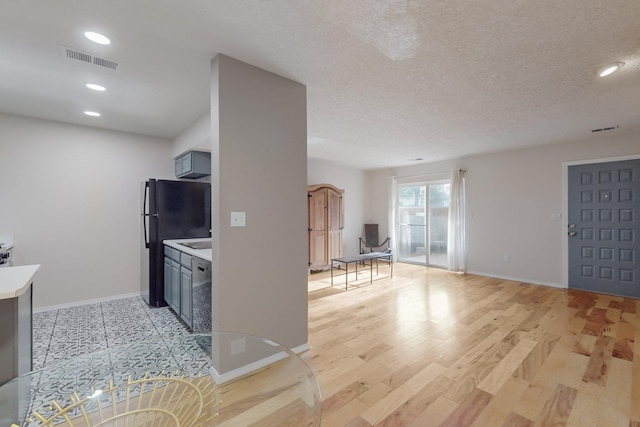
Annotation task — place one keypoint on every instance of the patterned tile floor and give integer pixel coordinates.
(69, 332)
(88, 346)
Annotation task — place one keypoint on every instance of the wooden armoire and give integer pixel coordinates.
(326, 220)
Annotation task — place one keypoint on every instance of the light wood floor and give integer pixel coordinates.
(431, 348)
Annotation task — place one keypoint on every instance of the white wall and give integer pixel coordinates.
(196, 137)
(510, 199)
(353, 182)
(70, 194)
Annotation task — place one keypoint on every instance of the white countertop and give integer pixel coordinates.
(14, 281)
(200, 253)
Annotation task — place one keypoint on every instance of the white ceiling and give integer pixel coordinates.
(387, 80)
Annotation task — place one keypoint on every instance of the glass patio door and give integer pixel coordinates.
(423, 223)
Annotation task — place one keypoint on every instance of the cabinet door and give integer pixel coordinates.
(186, 299)
(335, 244)
(175, 286)
(335, 221)
(178, 165)
(318, 228)
(186, 163)
(167, 280)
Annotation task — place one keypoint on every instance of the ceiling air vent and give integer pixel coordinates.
(79, 55)
(605, 129)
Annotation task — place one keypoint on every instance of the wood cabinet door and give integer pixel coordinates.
(318, 228)
(335, 244)
(335, 221)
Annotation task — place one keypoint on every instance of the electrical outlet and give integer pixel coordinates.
(238, 346)
(507, 258)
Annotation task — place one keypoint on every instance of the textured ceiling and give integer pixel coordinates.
(387, 81)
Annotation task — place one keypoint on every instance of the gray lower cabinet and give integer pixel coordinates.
(178, 283)
(16, 336)
(175, 286)
(167, 273)
(186, 296)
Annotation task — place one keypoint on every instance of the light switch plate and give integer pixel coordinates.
(238, 219)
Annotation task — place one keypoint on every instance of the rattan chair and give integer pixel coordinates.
(161, 401)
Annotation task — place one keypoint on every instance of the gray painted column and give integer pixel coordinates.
(259, 167)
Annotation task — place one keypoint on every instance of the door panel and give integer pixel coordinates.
(317, 248)
(334, 221)
(438, 227)
(175, 286)
(317, 206)
(317, 228)
(335, 244)
(423, 223)
(411, 230)
(335, 211)
(604, 205)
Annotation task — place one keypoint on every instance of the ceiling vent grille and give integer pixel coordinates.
(81, 56)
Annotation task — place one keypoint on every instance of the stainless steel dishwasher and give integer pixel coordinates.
(201, 270)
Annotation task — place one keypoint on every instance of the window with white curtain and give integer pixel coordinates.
(427, 219)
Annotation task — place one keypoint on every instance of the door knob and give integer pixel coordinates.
(572, 226)
(572, 234)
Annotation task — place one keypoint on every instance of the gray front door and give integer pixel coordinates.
(604, 239)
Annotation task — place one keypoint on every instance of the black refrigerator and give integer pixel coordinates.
(170, 210)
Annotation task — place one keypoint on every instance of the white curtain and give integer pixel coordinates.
(393, 199)
(457, 213)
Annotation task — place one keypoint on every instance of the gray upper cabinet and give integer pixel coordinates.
(193, 164)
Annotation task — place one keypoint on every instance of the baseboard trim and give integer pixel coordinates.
(85, 302)
(518, 279)
(301, 348)
(246, 369)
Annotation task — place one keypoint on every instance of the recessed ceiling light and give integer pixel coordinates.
(610, 69)
(94, 86)
(92, 113)
(97, 37)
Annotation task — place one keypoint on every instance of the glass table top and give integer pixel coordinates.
(200, 379)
